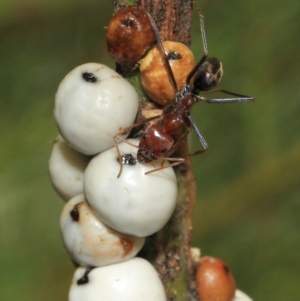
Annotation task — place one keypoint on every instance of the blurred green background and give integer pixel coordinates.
(248, 183)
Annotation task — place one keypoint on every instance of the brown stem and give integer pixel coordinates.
(169, 249)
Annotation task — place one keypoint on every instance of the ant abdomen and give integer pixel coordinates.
(208, 76)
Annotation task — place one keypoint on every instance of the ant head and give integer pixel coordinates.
(208, 75)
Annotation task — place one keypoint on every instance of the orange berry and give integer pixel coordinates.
(214, 280)
(154, 76)
(129, 35)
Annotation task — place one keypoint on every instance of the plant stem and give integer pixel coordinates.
(169, 249)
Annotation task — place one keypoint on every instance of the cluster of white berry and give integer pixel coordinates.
(118, 191)
(106, 218)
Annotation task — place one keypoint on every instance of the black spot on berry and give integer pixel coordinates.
(172, 56)
(89, 77)
(128, 22)
(85, 278)
(74, 213)
(226, 269)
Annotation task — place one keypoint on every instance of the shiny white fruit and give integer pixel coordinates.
(134, 203)
(92, 103)
(89, 241)
(66, 168)
(240, 296)
(132, 280)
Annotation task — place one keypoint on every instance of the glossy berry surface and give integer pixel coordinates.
(92, 103)
(129, 35)
(89, 241)
(132, 280)
(214, 280)
(66, 168)
(135, 203)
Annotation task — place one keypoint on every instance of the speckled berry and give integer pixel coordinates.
(129, 35)
(89, 241)
(154, 76)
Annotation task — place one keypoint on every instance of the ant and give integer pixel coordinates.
(157, 141)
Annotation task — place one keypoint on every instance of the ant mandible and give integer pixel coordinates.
(157, 141)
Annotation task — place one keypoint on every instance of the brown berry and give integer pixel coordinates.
(154, 76)
(129, 35)
(214, 280)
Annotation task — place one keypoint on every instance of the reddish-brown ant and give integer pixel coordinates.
(157, 141)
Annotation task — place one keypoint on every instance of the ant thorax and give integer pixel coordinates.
(155, 143)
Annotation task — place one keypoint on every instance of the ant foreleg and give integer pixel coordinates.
(118, 151)
(176, 161)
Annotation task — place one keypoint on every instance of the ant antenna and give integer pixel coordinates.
(204, 42)
(203, 34)
(164, 53)
(201, 17)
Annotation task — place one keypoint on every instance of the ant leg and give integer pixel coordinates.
(119, 154)
(117, 136)
(176, 161)
(198, 133)
(237, 99)
(196, 68)
(123, 131)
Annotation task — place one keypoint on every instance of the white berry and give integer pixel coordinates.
(92, 103)
(240, 296)
(135, 203)
(132, 280)
(66, 168)
(89, 241)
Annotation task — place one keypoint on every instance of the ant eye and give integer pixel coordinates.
(208, 75)
(154, 76)
(215, 65)
(129, 35)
